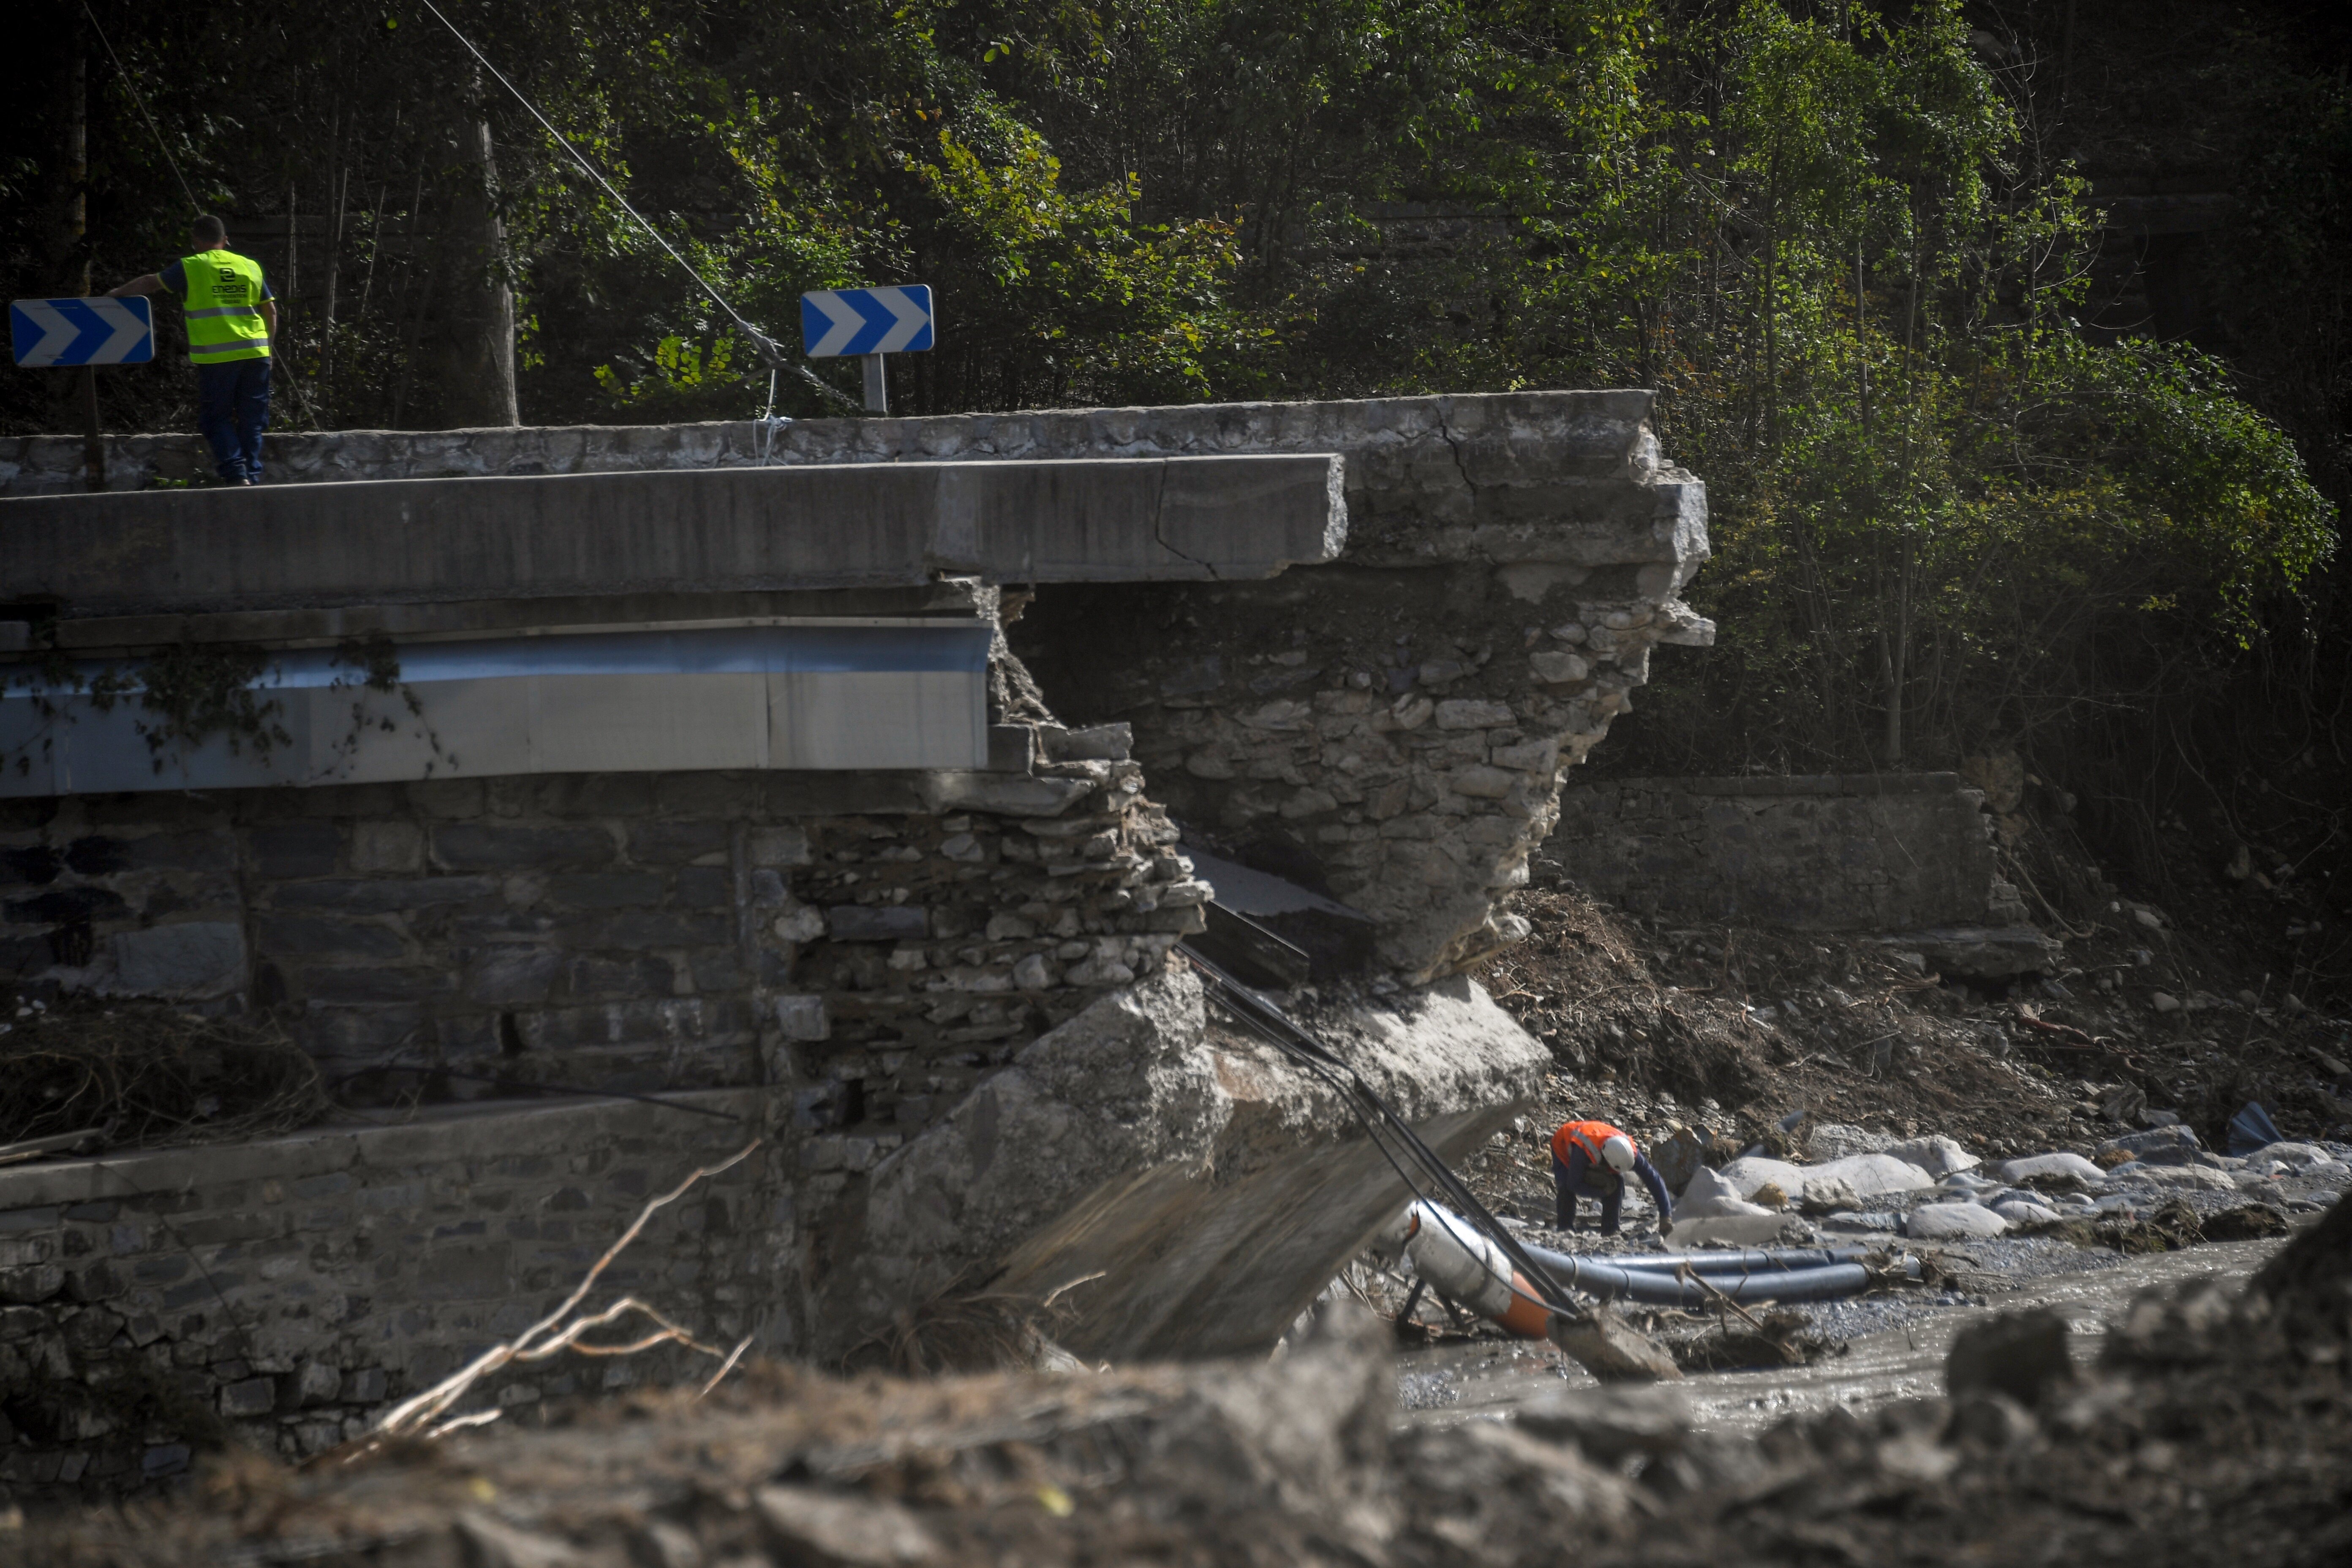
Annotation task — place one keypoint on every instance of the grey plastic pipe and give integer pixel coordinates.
(1658, 1287)
(1740, 1262)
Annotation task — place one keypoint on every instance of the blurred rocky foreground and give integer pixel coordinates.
(2213, 1428)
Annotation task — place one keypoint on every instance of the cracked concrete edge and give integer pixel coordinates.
(1211, 1185)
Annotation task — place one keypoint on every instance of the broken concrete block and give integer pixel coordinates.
(1607, 1347)
(1952, 1222)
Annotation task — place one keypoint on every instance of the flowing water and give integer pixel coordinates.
(1903, 1360)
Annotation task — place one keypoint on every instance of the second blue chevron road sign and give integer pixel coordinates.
(842, 321)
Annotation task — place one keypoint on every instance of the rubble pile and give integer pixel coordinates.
(2210, 1427)
(1731, 1032)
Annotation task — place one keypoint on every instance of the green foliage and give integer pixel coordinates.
(1823, 230)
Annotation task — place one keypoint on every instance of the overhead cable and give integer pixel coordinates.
(1270, 1024)
(129, 81)
(767, 347)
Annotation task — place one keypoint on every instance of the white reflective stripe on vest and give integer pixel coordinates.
(222, 310)
(216, 351)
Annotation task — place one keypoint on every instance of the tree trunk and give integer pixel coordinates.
(467, 353)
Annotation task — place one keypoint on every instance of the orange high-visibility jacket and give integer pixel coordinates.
(1590, 1135)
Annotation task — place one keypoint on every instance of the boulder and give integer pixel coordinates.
(1938, 1156)
(1750, 1171)
(1861, 1222)
(1871, 1176)
(1835, 1139)
(2158, 1146)
(1825, 1196)
(1952, 1222)
(2199, 1178)
(2019, 1211)
(2294, 1157)
(1711, 1195)
(1679, 1157)
(1764, 1229)
(2016, 1172)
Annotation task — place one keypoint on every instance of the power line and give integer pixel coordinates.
(193, 206)
(766, 346)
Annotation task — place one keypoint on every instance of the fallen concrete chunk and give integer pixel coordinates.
(1603, 1345)
(2016, 1171)
(1952, 1222)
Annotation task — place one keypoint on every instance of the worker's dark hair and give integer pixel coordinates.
(208, 230)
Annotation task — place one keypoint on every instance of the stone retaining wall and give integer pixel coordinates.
(1886, 852)
(628, 932)
(281, 1293)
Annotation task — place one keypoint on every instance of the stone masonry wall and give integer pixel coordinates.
(1834, 852)
(279, 1294)
(1393, 728)
(632, 931)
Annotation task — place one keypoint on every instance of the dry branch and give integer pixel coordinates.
(427, 1413)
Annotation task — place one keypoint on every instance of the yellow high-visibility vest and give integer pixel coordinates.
(224, 308)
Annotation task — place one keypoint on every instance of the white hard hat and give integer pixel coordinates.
(1617, 1152)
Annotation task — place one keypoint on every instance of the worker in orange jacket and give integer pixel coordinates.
(1592, 1159)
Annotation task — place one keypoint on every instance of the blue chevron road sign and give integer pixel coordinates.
(57, 334)
(841, 321)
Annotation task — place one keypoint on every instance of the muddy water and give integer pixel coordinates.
(1454, 1382)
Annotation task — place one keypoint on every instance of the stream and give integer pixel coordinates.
(1902, 1359)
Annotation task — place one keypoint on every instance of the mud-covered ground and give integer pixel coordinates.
(2212, 1426)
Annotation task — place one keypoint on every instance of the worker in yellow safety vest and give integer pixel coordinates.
(231, 320)
(1592, 1159)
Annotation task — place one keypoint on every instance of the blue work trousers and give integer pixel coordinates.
(232, 410)
(1607, 1187)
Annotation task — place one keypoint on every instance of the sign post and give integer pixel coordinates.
(83, 334)
(869, 323)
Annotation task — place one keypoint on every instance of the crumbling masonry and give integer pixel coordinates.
(707, 789)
